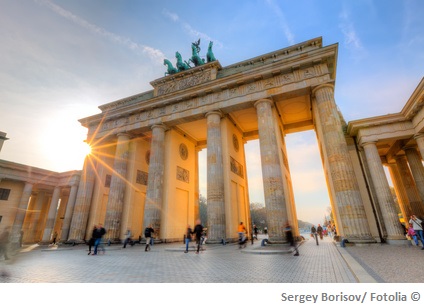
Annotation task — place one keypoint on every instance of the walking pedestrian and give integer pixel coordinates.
(198, 231)
(290, 238)
(255, 231)
(148, 235)
(4, 243)
(127, 238)
(314, 233)
(416, 224)
(54, 238)
(98, 235)
(92, 239)
(320, 231)
(189, 232)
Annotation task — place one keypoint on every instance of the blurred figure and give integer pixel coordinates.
(416, 224)
(54, 238)
(290, 238)
(189, 232)
(98, 235)
(5, 244)
(314, 233)
(92, 239)
(320, 231)
(198, 231)
(412, 234)
(127, 240)
(148, 235)
(255, 231)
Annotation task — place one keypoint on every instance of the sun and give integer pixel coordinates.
(64, 147)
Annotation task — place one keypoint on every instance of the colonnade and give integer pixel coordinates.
(347, 200)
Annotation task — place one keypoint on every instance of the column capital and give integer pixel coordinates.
(409, 147)
(123, 134)
(368, 142)
(218, 112)
(418, 136)
(159, 125)
(263, 100)
(322, 86)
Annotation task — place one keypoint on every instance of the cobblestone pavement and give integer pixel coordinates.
(168, 263)
(390, 263)
(325, 263)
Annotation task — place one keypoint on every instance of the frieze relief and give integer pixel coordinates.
(183, 175)
(211, 98)
(184, 83)
(236, 167)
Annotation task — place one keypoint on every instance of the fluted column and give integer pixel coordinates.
(417, 170)
(51, 216)
(68, 213)
(384, 195)
(400, 190)
(275, 201)
(20, 213)
(155, 187)
(118, 182)
(419, 138)
(341, 173)
(215, 179)
(36, 229)
(82, 206)
(415, 203)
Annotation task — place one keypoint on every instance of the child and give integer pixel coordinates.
(412, 234)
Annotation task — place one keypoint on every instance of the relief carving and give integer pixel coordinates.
(183, 175)
(236, 167)
(142, 177)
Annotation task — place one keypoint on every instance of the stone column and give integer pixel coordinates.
(415, 204)
(20, 214)
(35, 230)
(400, 190)
(215, 179)
(51, 217)
(115, 203)
(348, 199)
(197, 189)
(83, 201)
(419, 138)
(275, 202)
(68, 213)
(417, 170)
(384, 195)
(155, 187)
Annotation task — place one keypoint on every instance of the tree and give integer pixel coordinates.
(258, 215)
(203, 213)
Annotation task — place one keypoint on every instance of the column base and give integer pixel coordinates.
(398, 242)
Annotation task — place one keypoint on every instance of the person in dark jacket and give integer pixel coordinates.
(198, 231)
(290, 238)
(188, 237)
(98, 235)
(148, 236)
(92, 240)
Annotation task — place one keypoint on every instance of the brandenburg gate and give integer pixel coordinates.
(143, 168)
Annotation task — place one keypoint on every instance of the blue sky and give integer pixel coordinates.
(61, 59)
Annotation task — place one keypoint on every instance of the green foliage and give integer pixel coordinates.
(203, 202)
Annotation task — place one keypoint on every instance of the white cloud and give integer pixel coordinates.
(154, 54)
(283, 22)
(190, 30)
(351, 39)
